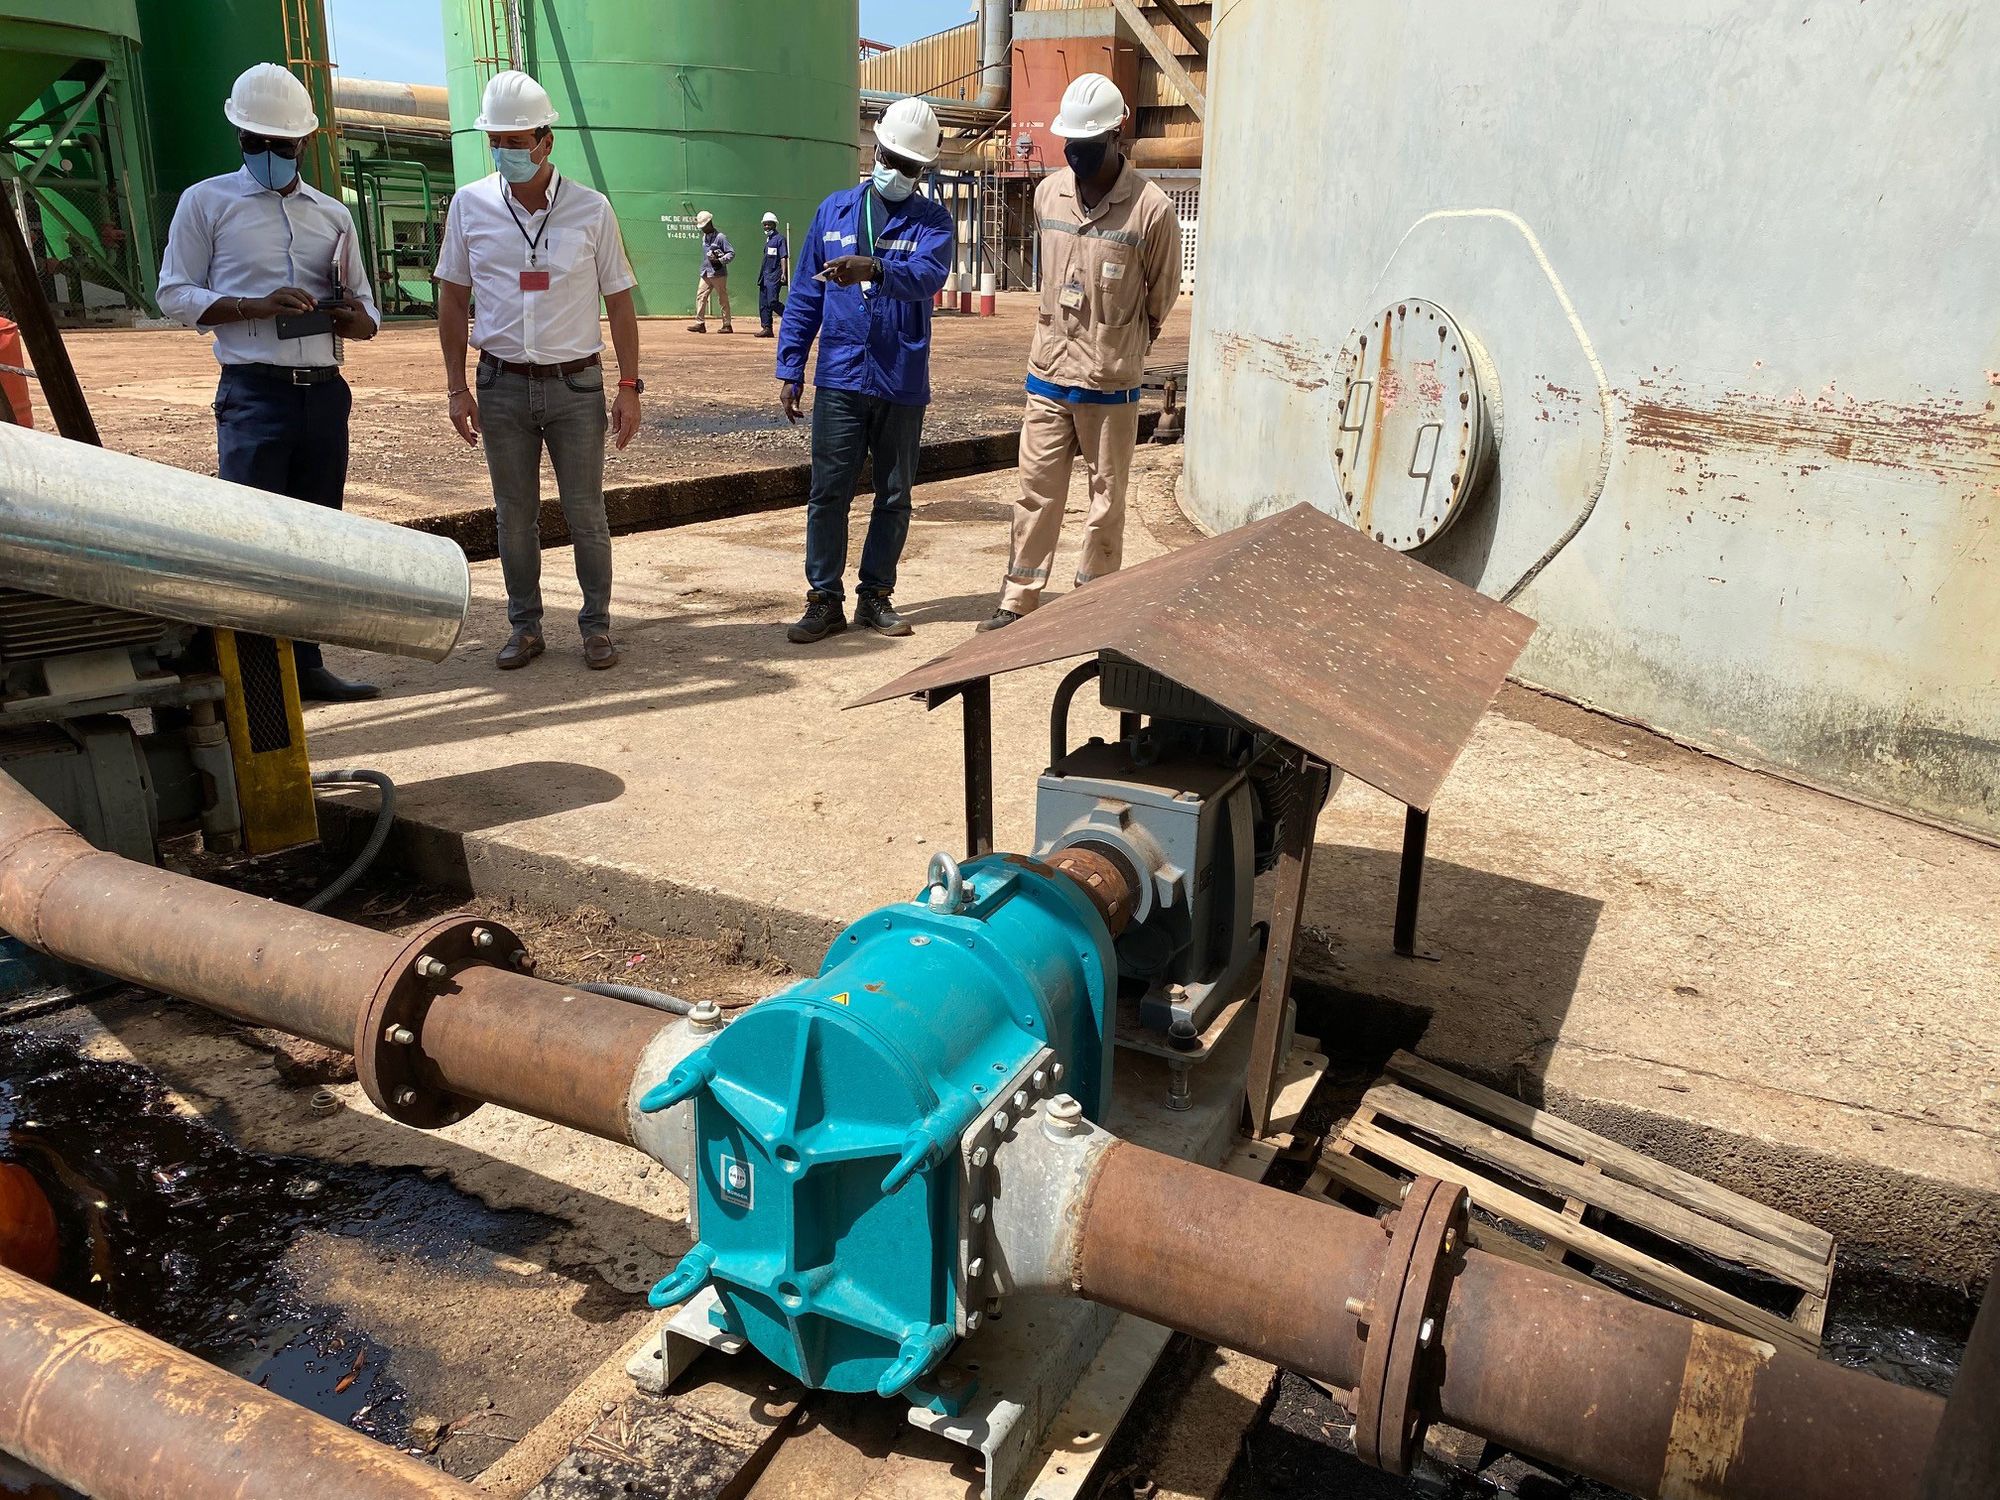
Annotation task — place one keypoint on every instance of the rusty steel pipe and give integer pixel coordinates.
(491, 1033)
(118, 1415)
(1561, 1370)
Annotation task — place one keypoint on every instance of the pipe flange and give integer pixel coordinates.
(389, 1058)
(1403, 1322)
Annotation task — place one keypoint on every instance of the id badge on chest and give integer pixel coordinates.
(1072, 297)
(534, 281)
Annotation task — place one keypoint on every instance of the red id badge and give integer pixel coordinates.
(534, 281)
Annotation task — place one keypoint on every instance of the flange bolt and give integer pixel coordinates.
(706, 1015)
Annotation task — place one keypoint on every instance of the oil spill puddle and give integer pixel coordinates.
(168, 1225)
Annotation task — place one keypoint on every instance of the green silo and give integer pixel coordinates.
(673, 106)
(194, 50)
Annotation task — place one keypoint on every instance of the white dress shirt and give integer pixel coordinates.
(575, 241)
(234, 237)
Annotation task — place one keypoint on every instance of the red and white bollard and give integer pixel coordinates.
(989, 293)
(948, 295)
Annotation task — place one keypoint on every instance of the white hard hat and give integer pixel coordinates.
(267, 100)
(770, 218)
(514, 101)
(909, 128)
(703, 219)
(1091, 106)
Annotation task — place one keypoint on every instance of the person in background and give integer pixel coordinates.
(873, 259)
(541, 251)
(716, 254)
(1111, 269)
(771, 276)
(271, 268)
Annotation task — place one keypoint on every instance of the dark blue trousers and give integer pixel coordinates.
(288, 439)
(846, 429)
(770, 303)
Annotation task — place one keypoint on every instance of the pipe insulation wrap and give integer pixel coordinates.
(107, 528)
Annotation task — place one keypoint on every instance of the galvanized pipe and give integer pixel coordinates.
(492, 1034)
(107, 528)
(118, 1415)
(1579, 1376)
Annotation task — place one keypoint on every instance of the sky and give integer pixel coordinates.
(404, 41)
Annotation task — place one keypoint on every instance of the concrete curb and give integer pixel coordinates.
(667, 503)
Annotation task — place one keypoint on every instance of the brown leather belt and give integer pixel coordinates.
(544, 372)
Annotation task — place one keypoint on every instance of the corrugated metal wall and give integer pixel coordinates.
(928, 65)
(944, 62)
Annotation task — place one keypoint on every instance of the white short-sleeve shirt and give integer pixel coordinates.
(490, 239)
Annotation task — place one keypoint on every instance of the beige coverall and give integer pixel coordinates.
(1109, 277)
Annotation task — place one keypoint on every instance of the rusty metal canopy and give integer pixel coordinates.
(1364, 657)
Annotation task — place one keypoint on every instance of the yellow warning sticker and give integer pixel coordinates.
(840, 999)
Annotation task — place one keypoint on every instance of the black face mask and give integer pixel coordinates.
(1085, 158)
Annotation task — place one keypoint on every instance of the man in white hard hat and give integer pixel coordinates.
(872, 261)
(271, 268)
(716, 254)
(772, 273)
(1111, 269)
(540, 251)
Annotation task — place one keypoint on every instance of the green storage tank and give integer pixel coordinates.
(669, 107)
(195, 49)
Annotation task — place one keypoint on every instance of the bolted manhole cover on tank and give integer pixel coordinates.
(1412, 436)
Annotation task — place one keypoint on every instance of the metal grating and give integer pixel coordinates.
(263, 693)
(36, 626)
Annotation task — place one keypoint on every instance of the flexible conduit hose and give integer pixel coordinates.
(385, 817)
(638, 995)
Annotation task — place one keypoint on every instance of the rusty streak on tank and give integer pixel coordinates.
(1946, 438)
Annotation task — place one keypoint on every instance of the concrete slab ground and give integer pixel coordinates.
(1791, 994)
(710, 404)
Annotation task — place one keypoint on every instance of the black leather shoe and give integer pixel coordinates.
(873, 611)
(1002, 618)
(824, 616)
(317, 685)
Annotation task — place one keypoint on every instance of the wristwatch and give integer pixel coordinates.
(635, 385)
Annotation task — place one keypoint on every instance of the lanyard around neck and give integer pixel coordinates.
(534, 244)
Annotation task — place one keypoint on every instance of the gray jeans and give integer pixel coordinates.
(518, 414)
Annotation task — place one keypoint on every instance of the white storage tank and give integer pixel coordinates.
(1673, 324)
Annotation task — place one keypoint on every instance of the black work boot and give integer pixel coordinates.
(873, 611)
(1002, 618)
(318, 685)
(823, 617)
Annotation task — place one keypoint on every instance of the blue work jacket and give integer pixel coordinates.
(874, 342)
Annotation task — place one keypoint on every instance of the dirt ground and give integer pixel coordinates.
(710, 403)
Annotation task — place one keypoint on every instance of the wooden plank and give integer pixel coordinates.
(1162, 56)
(1586, 1181)
(1731, 1312)
(1556, 1252)
(1358, 1176)
(1618, 1161)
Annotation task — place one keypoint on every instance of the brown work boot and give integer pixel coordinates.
(726, 328)
(697, 328)
(599, 653)
(522, 647)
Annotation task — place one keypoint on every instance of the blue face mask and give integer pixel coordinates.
(894, 186)
(516, 163)
(270, 169)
